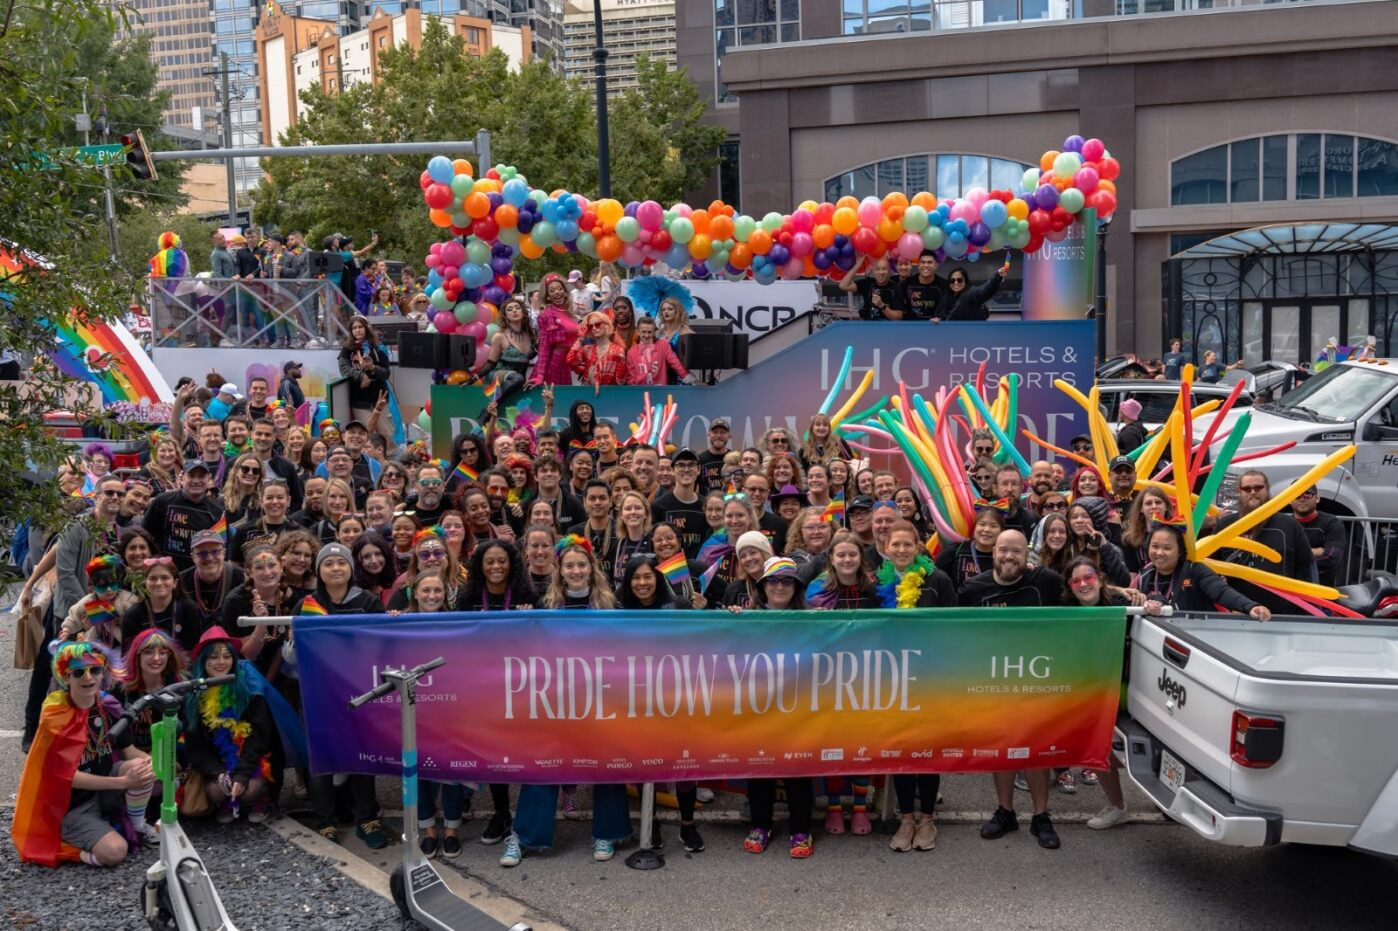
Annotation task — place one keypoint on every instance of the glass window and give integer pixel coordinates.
(1307, 166)
(729, 174)
(854, 25)
(1005, 174)
(916, 174)
(1339, 166)
(1243, 174)
(791, 10)
(865, 184)
(948, 176)
(853, 7)
(757, 35)
(791, 32)
(890, 176)
(1252, 332)
(1274, 167)
(1378, 168)
(1201, 178)
(975, 172)
(723, 14)
(1358, 329)
(1325, 323)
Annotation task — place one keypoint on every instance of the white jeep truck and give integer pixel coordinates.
(1261, 733)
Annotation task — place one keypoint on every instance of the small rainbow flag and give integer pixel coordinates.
(221, 526)
(835, 510)
(309, 605)
(100, 611)
(465, 472)
(675, 569)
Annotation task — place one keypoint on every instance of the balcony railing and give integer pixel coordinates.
(220, 312)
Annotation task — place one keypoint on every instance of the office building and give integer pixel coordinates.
(1259, 194)
(180, 34)
(629, 28)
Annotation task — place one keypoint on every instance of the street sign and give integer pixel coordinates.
(97, 155)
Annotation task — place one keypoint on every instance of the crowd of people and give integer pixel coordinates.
(238, 511)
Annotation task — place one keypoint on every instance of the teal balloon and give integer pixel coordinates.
(997, 241)
(538, 197)
(491, 329)
(461, 219)
(1020, 239)
(933, 237)
(440, 300)
(424, 421)
(1066, 165)
(717, 258)
(915, 219)
(772, 221)
(1030, 181)
(461, 185)
(743, 227)
(682, 230)
(627, 229)
(465, 312)
(1071, 200)
(477, 252)
(587, 244)
(543, 234)
(509, 237)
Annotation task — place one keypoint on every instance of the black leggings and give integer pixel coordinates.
(500, 798)
(361, 791)
(924, 785)
(800, 797)
(41, 678)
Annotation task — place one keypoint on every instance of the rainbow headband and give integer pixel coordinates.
(570, 541)
(72, 655)
(107, 562)
(434, 532)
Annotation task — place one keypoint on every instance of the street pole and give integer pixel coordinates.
(1101, 296)
(107, 184)
(228, 140)
(604, 156)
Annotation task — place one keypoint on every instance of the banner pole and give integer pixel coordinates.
(645, 858)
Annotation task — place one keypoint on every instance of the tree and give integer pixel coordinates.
(661, 149)
(46, 225)
(139, 233)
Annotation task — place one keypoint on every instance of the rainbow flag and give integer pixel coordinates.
(835, 510)
(309, 605)
(100, 611)
(465, 472)
(715, 547)
(169, 263)
(220, 527)
(675, 569)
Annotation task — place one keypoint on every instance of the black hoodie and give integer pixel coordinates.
(575, 429)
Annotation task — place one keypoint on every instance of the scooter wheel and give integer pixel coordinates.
(400, 894)
(164, 917)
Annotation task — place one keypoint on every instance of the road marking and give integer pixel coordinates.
(11, 734)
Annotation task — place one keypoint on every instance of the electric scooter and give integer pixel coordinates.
(418, 889)
(178, 894)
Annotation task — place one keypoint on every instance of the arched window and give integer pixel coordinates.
(1304, 166)
(946, 176)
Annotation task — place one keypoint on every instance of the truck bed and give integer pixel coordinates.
(1304, 648)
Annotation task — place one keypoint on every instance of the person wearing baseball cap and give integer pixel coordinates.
(1132, 433)
(212, 576)
(174, 517)
(859, 516)
(289, 388)
(1121, 474)
(711, 459)
(222, 403)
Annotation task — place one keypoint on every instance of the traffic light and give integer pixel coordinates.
(137, 158)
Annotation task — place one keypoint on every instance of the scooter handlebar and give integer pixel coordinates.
(378, 691)
(169, 693)
(430, 665)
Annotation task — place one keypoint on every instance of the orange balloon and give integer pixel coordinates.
(823, 236)
(529, 248)
(1108, 186)
(720, 227)
(1046, 160)
(925, 200)
(506, 216)
(895, 212)
(847, 203)
(609, 211)
(477, 205)
(700, 219)
(845, 220)
(760, 242)
(740, 256)
(486, 185)
(808, 267)
(461, 167)
(609, 248)
(890, 230)
(895, 199)
(439, 218)
(700, 246)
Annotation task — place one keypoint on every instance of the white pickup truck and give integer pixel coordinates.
(1261, 733)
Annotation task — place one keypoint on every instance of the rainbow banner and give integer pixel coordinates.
(558, 697)
(1060, 280)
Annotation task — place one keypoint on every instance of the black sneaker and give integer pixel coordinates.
(451, 846)
(657, 840)
(429, 846)
(1000, 824)
(1042, 828)
(689, 834)
(498, 829)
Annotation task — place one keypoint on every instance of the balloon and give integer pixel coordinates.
(544, 234)
(977, 196)
(889, 229)
(440, 169)
(445, 323)
(458, 377)
(609, 248)
(1046, 160)
(1030, 180)
(1105, 203)
(909, 246)
(979, 234)
(933, 238)
(1073, 143)
(476, 204)
(682, 230)
(743, 228)
(870, 212)
(844, 221)
(1071, 200)
(865, 240)
(1092, 150)
(529, 248)
(801, 245)
(506, 217)
(699, 246)
(586, 243)
(609, 211)
(760, 242)
(1039, 222)
(1066, 165)
(994, 213)
(740, 257)
(823, 236)
(650, 215)
(915, 219)
(772, 221)
(627, 229)
(1108, 167)
(465, 312)
(439, 217)
(802, 221)
(721, 227)
(424, 421)
(1046, 197)
(1086, 180)
(1017, 208)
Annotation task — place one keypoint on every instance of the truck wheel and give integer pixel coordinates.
(400, 894)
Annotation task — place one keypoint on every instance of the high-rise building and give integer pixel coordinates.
(179, 32)
(543, 18)
(629, 28)
(233, 23)
(1258, 204)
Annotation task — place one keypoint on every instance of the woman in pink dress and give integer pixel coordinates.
(557, 333)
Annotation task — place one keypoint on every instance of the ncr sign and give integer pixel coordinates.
(752, 308)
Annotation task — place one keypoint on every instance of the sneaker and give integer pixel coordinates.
(1020, 784)
(859, 823)
(571, 811)
(149, 835)
(429, 846)
(225, 814)
(835, 821)
(371, 832)
(1042, 828)
(926, 836)
(704, 794)
(1089, 777)
(260, 810)
(330, 833)
(1108, 817)
(657, 840)
(603, 850)
(299, 791)
(801, 846)
(757, 840)
(1066, 783)
(451, 846)
(498, 829)
(1000, 824)
(689, 835)
(512, 853)
(903, 839)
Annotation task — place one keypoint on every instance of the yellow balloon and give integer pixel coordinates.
(837, 417)
(1279, 582)
(1017, 208)
(609, 210)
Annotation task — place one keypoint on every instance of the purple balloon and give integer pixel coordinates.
(630, 209)
(941, 255)
(779, 254)
(820, 260)
(501, 265)
(471, 294)
(525, 222)
(493, 295)
(700, 269)
(1073, 143)
(841, 240)
(495, 199)
(979, 233)
(845, 262)
(1046, 197)
(502, 250)
(571, 245)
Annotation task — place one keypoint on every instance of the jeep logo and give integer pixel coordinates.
(1170, 687)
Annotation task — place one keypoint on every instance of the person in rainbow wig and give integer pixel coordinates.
(82, 795)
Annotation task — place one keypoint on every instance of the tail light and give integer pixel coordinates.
(1387, 606)
(1256, 740)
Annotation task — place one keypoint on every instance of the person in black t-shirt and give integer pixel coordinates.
(1010, 583)
(920, 298)
(1281, 532)
(711, 459)
(877, 291)
(176, 516)
(1325, 533)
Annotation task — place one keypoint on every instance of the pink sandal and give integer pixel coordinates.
(835, 821)
(859, 823)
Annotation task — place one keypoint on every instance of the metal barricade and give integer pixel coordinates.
(1371, 545)
(221, 312)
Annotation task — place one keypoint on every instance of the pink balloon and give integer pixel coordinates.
(444, 322)
(802, 221)
(435, 248)
(870, 212)
(448, 272)
(682, 210)
(977, 196)
(1086, 180)
(632, 255)
(452, 252)
(910, 246)
(1093, 150)
(1057, 236)
(434, 259)
(650, 215)
(793, 269)
(801, 243)
(475, 329)
(965, 210)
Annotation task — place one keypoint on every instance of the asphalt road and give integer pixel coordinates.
(1148, 874)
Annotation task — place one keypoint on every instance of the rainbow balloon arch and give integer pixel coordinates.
(496, 219)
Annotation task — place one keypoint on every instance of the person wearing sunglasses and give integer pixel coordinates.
(97, 615)
(1325, 533)
(77, 780)
(87, 536)
(1282, 532)
(961, 301)
(596, 356)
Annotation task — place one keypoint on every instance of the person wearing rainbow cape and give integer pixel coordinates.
(82, 795)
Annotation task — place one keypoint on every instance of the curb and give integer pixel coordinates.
(738, 815)
(506, 910)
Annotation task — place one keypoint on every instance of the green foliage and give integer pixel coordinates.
(50, 214)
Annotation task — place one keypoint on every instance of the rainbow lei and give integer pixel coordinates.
(894, 593)
(226, 731)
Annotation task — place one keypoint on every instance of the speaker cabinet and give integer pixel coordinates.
(423, 351)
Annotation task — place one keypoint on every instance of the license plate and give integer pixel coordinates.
(1171, 771)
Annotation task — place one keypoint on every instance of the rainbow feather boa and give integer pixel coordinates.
(904, 593)
(227, 732)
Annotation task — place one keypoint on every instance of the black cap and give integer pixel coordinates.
(720, 423)
(1121, 461)
(353, 424)
(861, 501)
(191, 464)
(1081, 438)
(336, 450)
(288, 366)
(686, 455)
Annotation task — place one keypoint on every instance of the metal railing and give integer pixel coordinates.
(1371, 545)
(304, 313)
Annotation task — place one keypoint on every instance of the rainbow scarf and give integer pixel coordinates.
(675, 569)
(228, 733)
(904, 593)
(169, 263)
(310, 606)
(835, 511)
(824, 591)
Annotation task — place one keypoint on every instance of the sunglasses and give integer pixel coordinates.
(1055, 506)
(249, 470)
(83, 672)
(1252, 487)
(983, 450)
(1082, 447)
(780, 580)
(112, 492)
(433, 552)
(209, 554)
(1084, 580)
(778, 440)
(429, 482)
(1309, 494)
(957, 280)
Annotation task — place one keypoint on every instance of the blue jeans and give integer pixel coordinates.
(454, 799)
(535, 814)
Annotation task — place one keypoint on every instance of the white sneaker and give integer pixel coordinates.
(704, 794)
(1108, 817)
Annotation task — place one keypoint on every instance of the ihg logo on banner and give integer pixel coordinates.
(1018, 667)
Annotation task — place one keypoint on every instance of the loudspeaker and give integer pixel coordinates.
(461, 352)
(391, 328)
(324, 263)
(422, 351)
(706, 350)
(739, 357)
